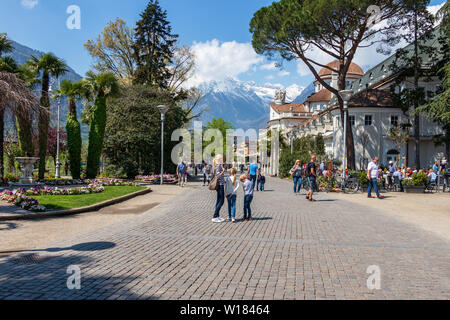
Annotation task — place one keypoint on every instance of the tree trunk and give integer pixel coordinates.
(72, 107)
(2, 138)
(447, 142)
(416, 90)
(43, 123)
(25, 134)
(351, 156)
(350, 143)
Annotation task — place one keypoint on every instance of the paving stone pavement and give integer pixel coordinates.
(294, 249)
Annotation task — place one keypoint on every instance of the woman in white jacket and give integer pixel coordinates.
(231, 187)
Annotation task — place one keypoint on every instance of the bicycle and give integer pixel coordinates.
(305, 184)
(350, 184)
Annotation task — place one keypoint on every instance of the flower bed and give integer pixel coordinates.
(113, 182)
(74, 182)
(21, 200)
(21, 197)
(64, 182)
(50, 191)
(153, 179)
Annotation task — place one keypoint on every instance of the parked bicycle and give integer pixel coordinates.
(349, 184)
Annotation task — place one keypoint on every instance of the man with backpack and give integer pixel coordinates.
(182, 173)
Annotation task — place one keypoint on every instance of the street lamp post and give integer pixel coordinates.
(291, 137)
(163, 109)
(58, 164)
(345, 95)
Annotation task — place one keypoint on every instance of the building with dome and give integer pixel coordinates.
(372, 115)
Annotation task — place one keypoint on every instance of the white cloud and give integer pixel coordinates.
(284, 73)
(270, 66)
(218, 61)
(29, 4)
(316, 55)
(364, 57)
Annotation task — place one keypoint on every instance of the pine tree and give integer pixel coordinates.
(154, 46)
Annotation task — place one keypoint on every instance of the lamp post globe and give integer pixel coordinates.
(163, 109)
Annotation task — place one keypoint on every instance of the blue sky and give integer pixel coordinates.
(217, 30)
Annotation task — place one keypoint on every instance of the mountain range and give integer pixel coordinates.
(244, 104)
(21, 54)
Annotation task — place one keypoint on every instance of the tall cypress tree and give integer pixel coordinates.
(154, 46)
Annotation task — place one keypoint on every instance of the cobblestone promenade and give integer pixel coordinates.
(293, 249)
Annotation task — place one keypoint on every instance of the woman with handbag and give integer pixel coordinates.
(219, 185)
(296, 173)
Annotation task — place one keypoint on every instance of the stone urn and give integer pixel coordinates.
(27, 167)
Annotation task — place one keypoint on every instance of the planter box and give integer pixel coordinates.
(414, 189)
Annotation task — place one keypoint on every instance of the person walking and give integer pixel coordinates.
(206, 173)
(66, 168)
(181, 173)
(219, 172)
(253, 173)
(242, 168)
(296, 173)
(312, 177)
(248, 187)
(372, 175)
(231, 187)
(261, 181)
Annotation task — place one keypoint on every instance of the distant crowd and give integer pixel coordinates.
(252, 177)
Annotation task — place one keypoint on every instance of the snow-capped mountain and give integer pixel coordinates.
(244, 104)
(309, 90)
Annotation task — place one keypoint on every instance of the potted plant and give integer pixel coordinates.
(416, 184)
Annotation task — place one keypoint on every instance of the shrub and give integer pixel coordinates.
(362, 178)
(9, 177)
(419, 179)
(74, 145)
(96, 136)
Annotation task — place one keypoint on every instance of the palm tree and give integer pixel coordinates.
(47, 65)
(5, 44)
(23, 118)
(14, 95)
(103, 85)
(74, 91)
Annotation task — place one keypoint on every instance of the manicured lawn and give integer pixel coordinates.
(79, 201)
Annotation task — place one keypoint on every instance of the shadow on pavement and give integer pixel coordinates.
(7, 226)
(88, 246)
(262, 219)
(49, 278)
